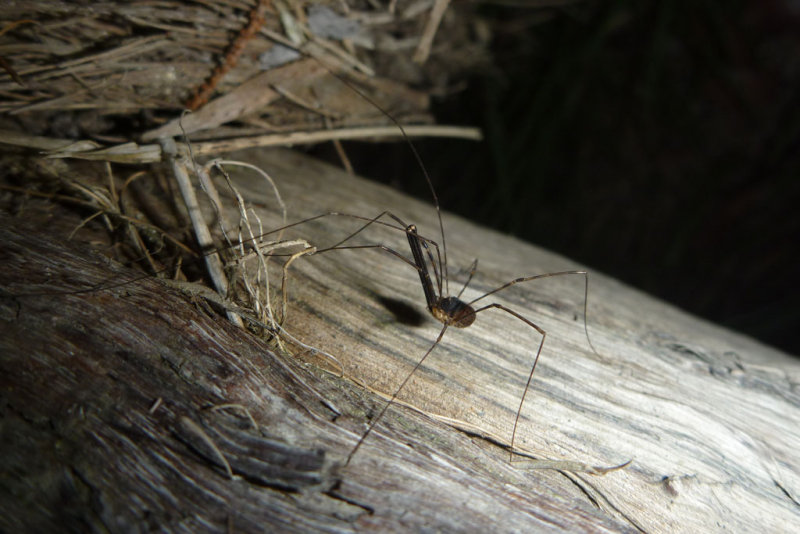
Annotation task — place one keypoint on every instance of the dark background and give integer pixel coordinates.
(657, 143)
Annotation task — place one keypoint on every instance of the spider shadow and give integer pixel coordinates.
(403, 312)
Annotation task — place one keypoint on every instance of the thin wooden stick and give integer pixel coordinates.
(213, 261)
(152, 153)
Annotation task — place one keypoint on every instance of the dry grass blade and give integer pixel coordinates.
(151, 153)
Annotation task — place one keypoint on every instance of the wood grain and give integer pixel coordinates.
(709, 417)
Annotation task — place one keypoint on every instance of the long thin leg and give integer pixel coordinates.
(442, 261)
(472, 270)
(368, 222)
(377, 419)
(533, 367)
(409, 230)
(550, 275)
(424, 241)
(111, 284)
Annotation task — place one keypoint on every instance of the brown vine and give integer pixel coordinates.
(257, 19)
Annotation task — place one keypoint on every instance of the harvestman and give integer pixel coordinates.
(452, 311)
(449, 310)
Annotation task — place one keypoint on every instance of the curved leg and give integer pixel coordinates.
(425, 242)
(368, 222)
(377, 419)
(539, 463)
(533, 367)
(550, 275)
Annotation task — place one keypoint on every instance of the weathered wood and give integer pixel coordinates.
(108, 421)
(710, 418)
